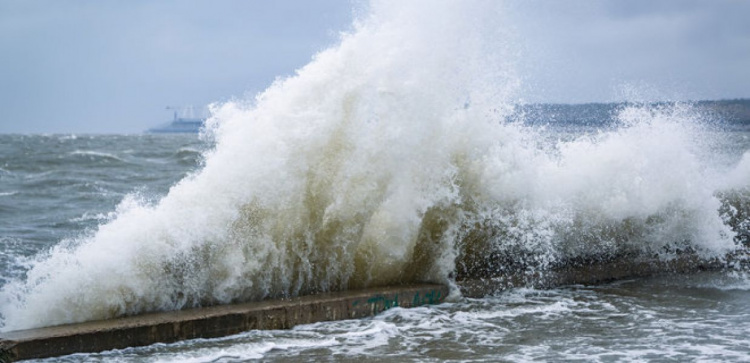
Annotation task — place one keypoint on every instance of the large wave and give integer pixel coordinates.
(387, 159)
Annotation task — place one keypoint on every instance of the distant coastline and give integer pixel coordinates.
(732, 113)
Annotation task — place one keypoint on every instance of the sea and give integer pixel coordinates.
(398, 155)
(59, 189)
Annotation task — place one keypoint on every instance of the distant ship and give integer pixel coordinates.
(180, 125)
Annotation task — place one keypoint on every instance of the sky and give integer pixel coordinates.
(106, 66)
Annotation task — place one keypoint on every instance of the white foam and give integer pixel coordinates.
(379, 162)
(97, 154)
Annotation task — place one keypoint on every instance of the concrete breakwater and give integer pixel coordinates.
(599, 271)
(211, 322)
(216, 321)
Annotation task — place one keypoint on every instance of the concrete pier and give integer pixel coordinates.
(211, 322)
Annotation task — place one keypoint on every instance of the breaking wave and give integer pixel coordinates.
(388, 159)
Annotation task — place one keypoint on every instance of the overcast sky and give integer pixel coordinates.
(111, 66)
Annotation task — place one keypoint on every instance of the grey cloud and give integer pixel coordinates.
(109, 66)
(112, 66)
(585, 51)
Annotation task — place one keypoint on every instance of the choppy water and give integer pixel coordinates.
(58, 187)
(392, 157)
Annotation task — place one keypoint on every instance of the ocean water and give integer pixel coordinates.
(59, 190)
(57, 187)
(396, 156)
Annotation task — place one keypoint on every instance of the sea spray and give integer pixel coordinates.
(387, 159)
(320, 185)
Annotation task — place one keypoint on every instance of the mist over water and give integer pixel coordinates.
(390, 158)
